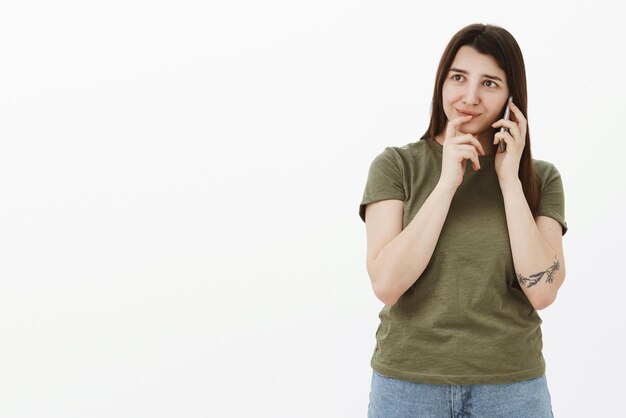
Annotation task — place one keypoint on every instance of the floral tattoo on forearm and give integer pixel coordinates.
(535, 278)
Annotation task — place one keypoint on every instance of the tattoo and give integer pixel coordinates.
(534, 279)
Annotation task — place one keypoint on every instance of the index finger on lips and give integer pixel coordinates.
(454, 123)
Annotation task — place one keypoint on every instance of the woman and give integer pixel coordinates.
(464, 258)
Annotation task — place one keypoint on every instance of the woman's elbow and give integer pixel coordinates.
(543, 302)
(547, 300)
(384, 294)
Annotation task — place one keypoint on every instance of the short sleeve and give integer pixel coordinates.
(552, 196)
(384, 180)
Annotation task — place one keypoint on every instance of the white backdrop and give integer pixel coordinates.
(179, 191)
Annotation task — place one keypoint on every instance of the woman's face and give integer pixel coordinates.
(475, 84)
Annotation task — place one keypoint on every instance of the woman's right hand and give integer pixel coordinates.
(456, 150)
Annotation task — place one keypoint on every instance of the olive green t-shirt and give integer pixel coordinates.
(465, 320)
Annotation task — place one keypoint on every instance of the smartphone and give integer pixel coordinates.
(507, 116)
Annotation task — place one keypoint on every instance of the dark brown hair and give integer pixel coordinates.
(500, 44)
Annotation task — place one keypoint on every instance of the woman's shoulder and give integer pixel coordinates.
(411, 151)
(546, 172)
(543, 166)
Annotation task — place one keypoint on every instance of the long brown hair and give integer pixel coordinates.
(500, 44)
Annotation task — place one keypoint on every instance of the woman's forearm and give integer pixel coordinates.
(402, 261)
(537, 265)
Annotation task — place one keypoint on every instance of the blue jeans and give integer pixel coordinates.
(392, 398)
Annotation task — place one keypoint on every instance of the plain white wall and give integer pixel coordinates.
(179, 182)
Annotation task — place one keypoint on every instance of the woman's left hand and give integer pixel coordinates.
(507, 163)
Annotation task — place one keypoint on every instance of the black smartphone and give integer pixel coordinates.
(507, 116)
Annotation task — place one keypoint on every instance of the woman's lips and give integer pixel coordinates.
(467, 114)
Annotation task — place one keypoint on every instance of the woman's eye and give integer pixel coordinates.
(492, 85)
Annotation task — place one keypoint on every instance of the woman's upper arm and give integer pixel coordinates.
(552, 231)
(383, 222)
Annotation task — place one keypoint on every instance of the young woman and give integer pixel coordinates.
(464, 257)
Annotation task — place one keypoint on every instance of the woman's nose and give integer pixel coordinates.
(470, 97)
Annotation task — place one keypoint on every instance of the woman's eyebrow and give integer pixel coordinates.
(484, 75)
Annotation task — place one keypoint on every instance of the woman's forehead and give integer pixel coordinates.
(470, 61)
